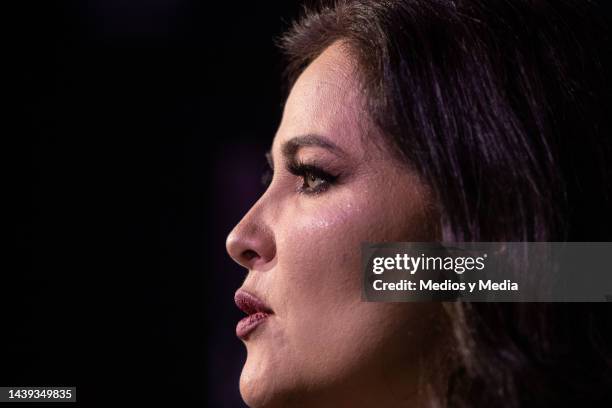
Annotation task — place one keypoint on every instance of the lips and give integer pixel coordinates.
(257, 312)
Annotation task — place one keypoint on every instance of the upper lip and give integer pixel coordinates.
(250, 303)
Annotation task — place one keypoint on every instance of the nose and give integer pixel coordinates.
(251, 242)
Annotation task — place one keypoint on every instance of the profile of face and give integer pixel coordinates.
(334, 186)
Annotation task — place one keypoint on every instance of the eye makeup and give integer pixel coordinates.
(315, 179)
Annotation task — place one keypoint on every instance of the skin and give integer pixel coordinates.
(324, 346)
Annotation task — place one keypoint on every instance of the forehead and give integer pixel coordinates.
(325, 100)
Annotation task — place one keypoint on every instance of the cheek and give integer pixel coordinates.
(319, 238)
(319, 248)
(318, 275)
(331, 227)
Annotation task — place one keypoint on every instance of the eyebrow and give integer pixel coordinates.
(292, 146)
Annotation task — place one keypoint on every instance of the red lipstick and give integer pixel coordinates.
(257, 312)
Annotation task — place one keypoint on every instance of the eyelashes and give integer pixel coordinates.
(266, 177)
(315, 180)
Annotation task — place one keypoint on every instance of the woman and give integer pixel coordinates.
(428, 121)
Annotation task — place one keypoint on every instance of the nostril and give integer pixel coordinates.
(249, 254)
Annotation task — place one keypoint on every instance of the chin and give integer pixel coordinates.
(264, 387)
(258, 394)
(256, 387)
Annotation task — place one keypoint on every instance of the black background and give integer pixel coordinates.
(133, 143)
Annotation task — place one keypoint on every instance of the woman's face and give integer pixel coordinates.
(333, 187)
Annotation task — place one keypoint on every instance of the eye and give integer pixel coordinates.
(315, 179)
(312, 181)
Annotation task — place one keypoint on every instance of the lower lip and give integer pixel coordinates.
(250, 323)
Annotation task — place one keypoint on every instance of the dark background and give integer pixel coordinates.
(133, 143)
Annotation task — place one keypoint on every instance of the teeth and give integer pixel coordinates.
(257, 316)
(250, 309)
(247, 306)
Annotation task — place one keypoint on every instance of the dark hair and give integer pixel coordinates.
(501, 107)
